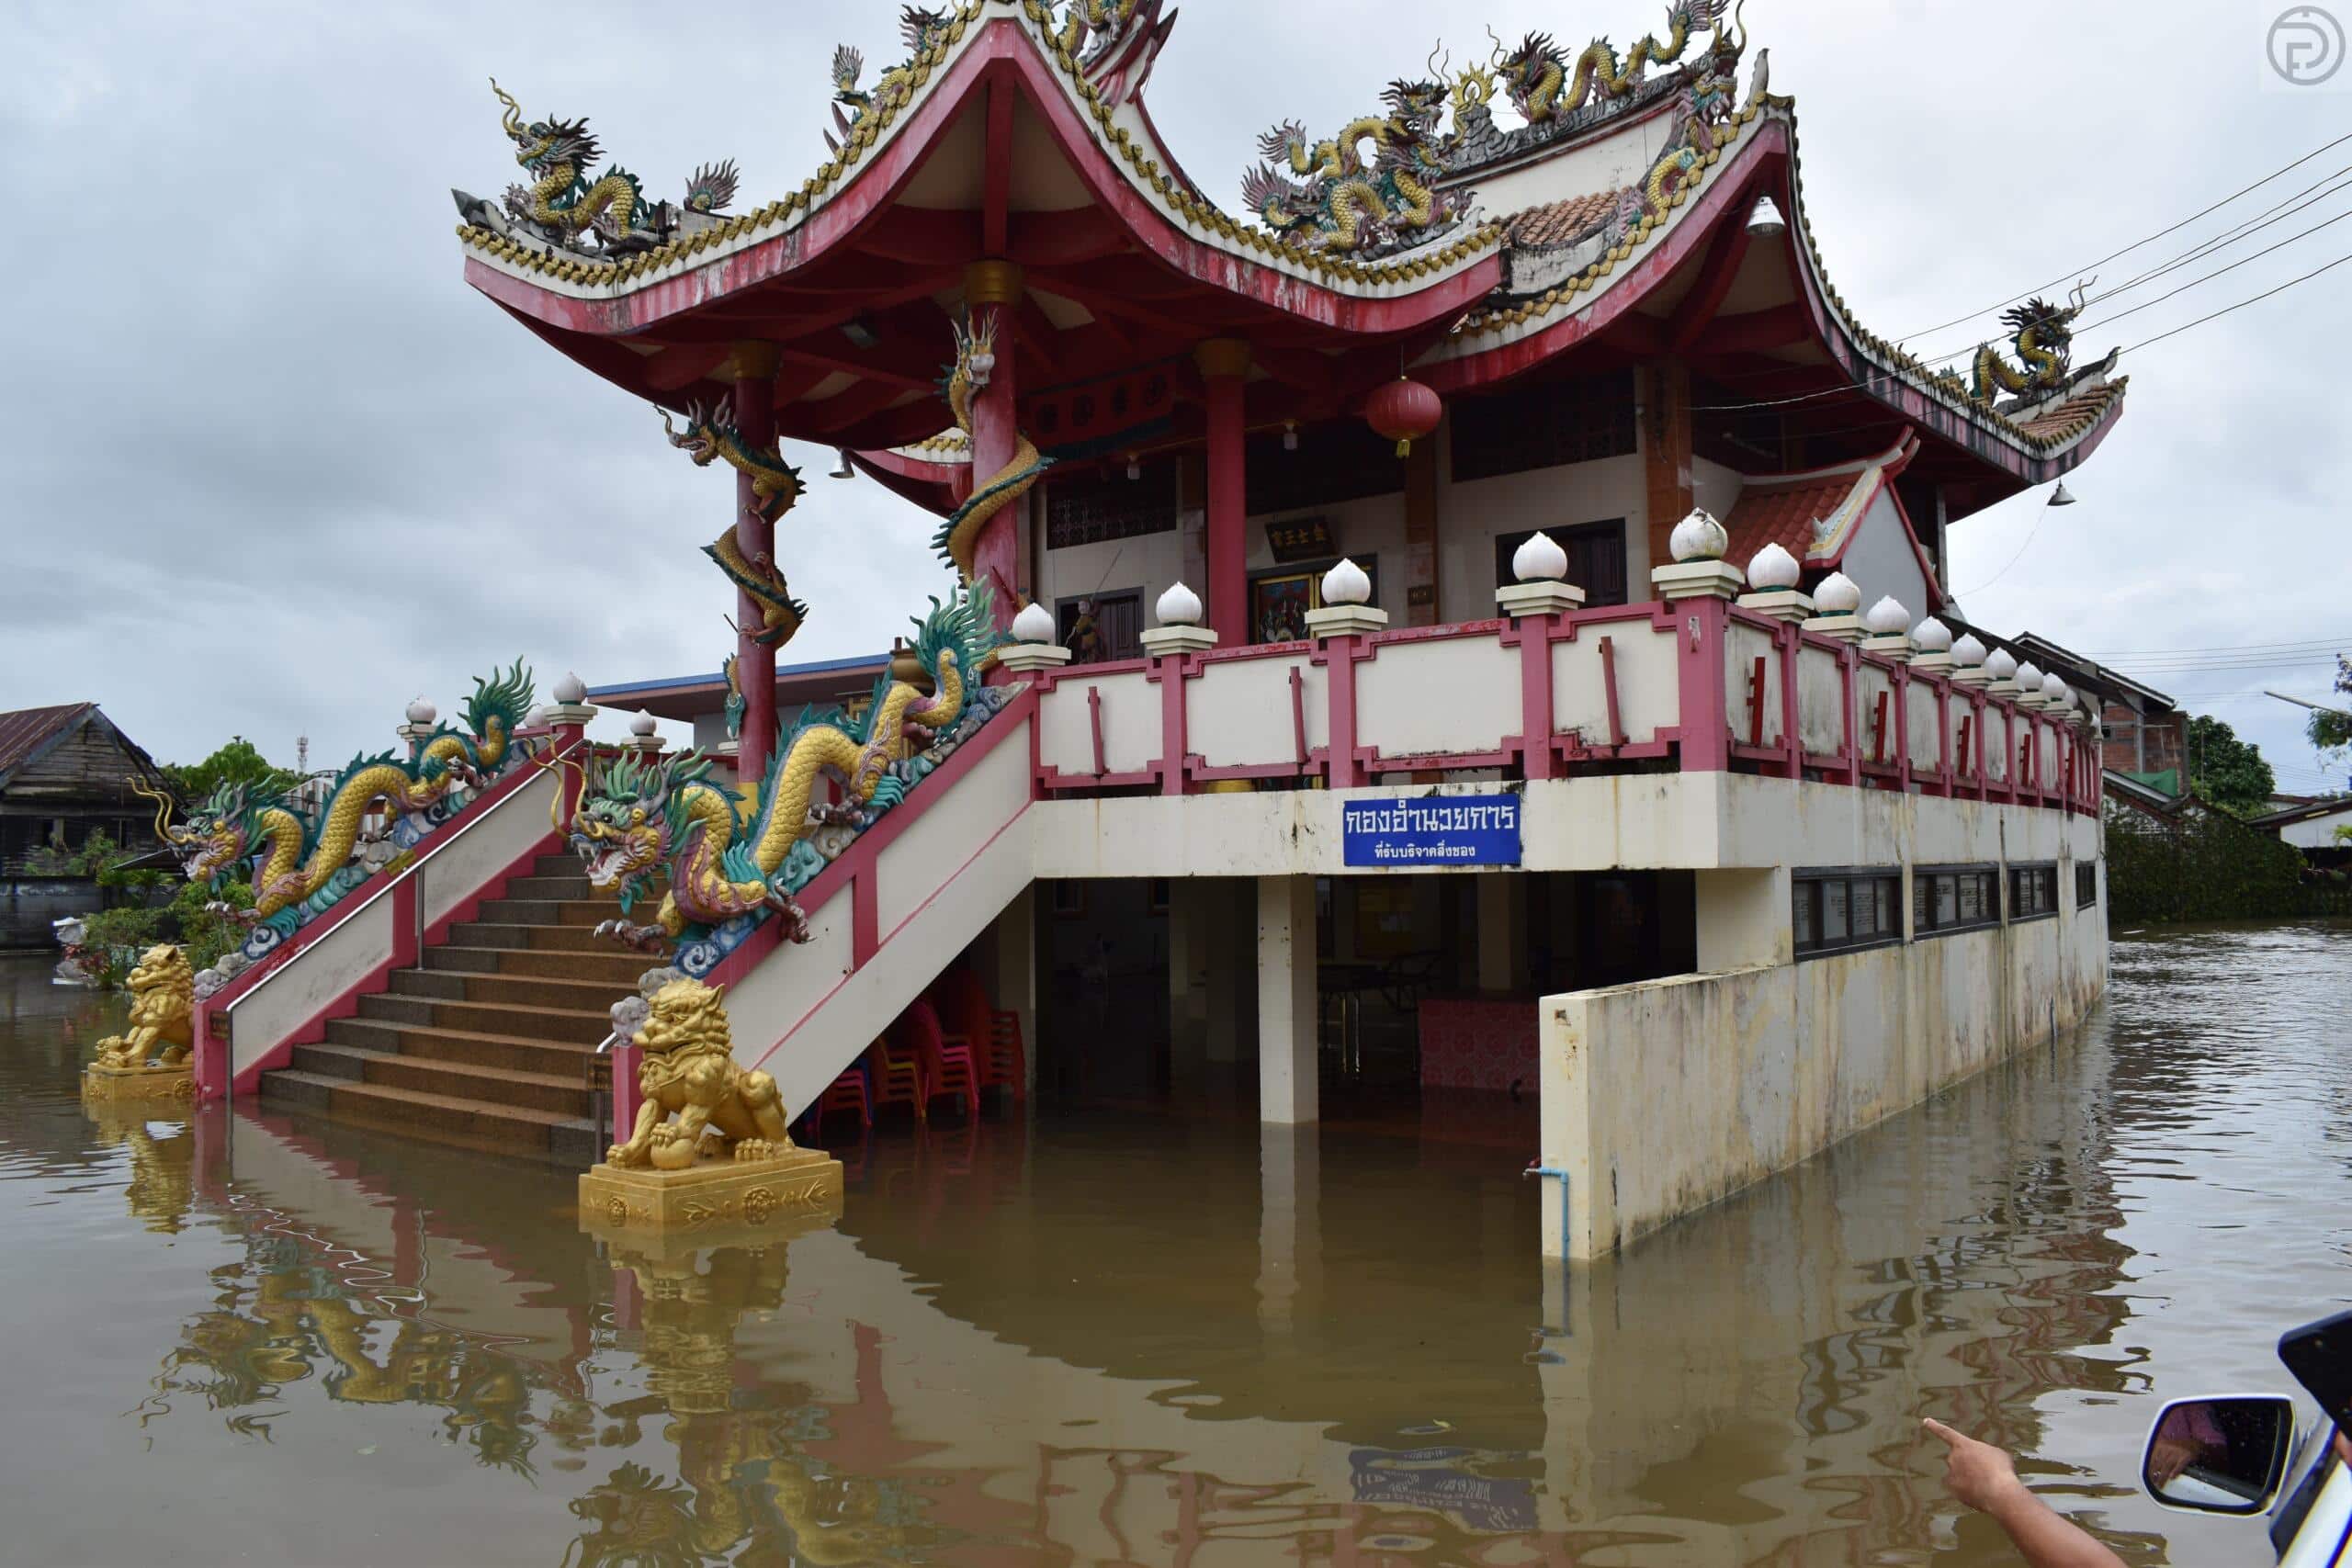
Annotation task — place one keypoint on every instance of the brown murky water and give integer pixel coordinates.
(1124, 1339)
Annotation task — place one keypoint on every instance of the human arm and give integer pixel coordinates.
(1982, 1477)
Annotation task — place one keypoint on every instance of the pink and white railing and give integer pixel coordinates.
(1700, 683)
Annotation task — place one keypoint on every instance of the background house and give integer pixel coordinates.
(65, 774)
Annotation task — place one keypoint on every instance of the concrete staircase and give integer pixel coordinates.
(491, 1042)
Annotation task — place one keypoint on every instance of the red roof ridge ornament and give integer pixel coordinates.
(1403, 410)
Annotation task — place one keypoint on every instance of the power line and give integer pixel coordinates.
(2344, 641)
(2228, 237)
(2078, 271)
(2220, 270)
(2241, 305)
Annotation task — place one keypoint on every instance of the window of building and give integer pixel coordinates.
(1839, 910)
(1947, 899)
(1545, 426)
(1087, 509)
(2085, 884)
(1098, 628)
(2033, 891)
(1596, 558)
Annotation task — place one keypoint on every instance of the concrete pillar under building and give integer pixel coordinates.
(1502, 932)
(1287, 1085)
(1290, 1224)
(1227, 940)
(1742, 917)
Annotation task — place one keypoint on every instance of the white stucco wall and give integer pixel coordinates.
(2316, 832)
(1882, 560)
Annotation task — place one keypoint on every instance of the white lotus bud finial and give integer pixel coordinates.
(1180, 607)
(571, 690)
(1969, 651)
(1698, 538)
(1772, 567)
(535, 718)
(1932, 636)
(2000, 664)
(1346, 584)
(1035, 624)
(1887, 617)
(422, 712)
(642, 725)
(2029, 676)
(1539, 559)
(2055, 689)
(1838, 595)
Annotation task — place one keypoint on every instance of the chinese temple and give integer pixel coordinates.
(1475, 622)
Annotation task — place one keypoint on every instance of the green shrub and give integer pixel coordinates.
(202, 934)
(2212, 868)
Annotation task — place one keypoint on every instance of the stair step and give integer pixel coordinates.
(564, 1094)
(513, 936)
(556, 885)
(448, 1112)
(505, 1053)
(550, 911)
(616, 968)
(558, 1026)
(512, 991)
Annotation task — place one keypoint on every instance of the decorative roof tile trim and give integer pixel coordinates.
(1180, 203)
(1184, 204)
(1557, 222)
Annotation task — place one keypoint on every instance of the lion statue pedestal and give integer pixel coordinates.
(726, 1163)
(151, 1061)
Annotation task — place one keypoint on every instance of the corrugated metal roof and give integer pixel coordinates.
(27, 731)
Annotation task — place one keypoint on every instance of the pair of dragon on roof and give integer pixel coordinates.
(1390, 197)
(566, 207)
(307, 858)
(1089, 28)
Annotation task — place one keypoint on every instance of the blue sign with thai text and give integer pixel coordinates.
(1432, 831)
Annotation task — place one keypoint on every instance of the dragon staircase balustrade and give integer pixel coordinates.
(1407, 188)
(309, 850)
(564, 210)
(736, 854)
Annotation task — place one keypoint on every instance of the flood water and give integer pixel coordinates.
(1125, 1337)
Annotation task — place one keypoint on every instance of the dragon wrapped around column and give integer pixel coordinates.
(711, 436)
(736, 853)
(306, 858)
(957, 540)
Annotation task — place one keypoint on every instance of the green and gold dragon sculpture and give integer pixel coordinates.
(1349, 202)
(920, 28)
(711, 436)
(305, 857)
(735, 852)
(1544, 86)
(565, 206)
(2043, 335)
(957, 540)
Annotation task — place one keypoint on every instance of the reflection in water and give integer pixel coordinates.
(1177, 1340)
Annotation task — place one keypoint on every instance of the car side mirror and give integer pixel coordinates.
(2219, 1456)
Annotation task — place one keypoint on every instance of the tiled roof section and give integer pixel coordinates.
(1782, 516)
(26, 731)
(2076, 416)
(1557, 222)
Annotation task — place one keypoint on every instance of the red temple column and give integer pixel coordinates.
(755, 366)
(1225, 363)
(996, 557)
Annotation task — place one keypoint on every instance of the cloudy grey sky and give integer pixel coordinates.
(271, 467)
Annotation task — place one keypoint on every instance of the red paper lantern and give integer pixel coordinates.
(1402, 410)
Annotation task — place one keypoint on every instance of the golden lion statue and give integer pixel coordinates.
(162, 1008)
(689, 1069)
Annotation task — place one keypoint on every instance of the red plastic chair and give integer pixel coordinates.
(993, 1035)
(947, 1064)
(847, 1092)
(1004, 1058)
(897, 1080)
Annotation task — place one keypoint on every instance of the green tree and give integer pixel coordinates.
(2225, 771)
(238, 761)
(2331, 728)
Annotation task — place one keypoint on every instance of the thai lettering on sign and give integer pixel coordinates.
(1426, 830)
